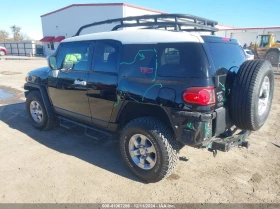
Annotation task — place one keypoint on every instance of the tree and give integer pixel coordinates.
(4, 35)
(16, 32)
(24, 37)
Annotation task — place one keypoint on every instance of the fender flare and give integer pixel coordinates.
(45, 97)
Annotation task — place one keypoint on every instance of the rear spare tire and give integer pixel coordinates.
(251, 94)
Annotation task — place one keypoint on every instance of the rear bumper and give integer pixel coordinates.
(196, 129)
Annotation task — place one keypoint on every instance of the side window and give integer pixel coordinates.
(105, 57)
(182, 60)
(139, 60)
(74, 56)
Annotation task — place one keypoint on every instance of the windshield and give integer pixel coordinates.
(263, 40)
(249, 52)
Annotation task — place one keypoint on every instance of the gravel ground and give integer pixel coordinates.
(65, 166)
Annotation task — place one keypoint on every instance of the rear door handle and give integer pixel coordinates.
(80, 82)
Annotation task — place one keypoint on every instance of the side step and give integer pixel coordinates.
(94, 133)
(66, 124)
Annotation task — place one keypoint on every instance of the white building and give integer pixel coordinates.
(248, 35)
(65, 22)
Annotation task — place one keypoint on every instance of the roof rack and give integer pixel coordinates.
(175, 22)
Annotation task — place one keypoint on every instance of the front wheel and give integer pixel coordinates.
(36, 111)
(2, 53)
(149, 149)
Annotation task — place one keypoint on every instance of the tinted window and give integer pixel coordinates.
(139, 60)
(105, 57)
(226, 56)
(74, 56)
(182, 60)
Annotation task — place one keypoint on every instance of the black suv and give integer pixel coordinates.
(161, 86)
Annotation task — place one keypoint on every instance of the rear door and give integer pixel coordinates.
(225, 56)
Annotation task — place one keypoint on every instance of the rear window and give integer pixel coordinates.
(226, 56)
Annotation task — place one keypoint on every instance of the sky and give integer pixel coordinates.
(239, 13)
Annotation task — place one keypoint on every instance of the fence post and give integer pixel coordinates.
(24, 49)
(278, 63)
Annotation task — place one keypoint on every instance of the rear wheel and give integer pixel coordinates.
(273, 57)
(149, 149)
(252, 94)
(2, 53)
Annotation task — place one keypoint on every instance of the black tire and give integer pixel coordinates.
(46, 123)
(245, 94)
(273, 57)
(163, 141)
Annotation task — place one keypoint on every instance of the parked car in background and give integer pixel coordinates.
(249, 54)
(3, 51)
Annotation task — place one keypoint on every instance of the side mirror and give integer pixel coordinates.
(52, 62)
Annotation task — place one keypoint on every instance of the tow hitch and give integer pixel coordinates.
(225, 144)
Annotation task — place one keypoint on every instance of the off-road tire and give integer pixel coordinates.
(245, 92)
(164, 143)
(46, 123)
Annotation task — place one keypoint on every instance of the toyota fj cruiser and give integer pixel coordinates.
(162, 86)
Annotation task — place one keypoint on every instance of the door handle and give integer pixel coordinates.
(80, 82)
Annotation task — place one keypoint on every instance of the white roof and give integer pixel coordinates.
(142, 36)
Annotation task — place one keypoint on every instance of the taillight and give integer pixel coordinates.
(200, 95)
(225, 39)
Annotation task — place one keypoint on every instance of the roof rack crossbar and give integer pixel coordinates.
(167, 24)
(163, 20)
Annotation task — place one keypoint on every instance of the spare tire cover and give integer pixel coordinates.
(251, 94)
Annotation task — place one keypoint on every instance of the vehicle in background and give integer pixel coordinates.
(266, 48)
(249, 54)
(3, 51)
